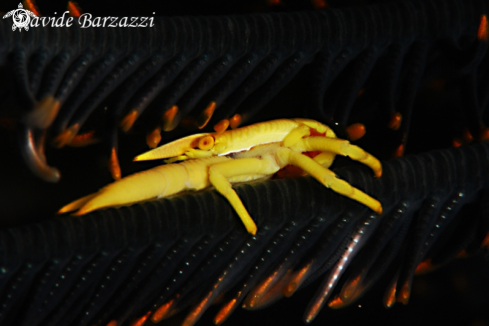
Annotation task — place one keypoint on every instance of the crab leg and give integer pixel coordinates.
(239, 170)
(325, 159)
(327, 178)
(341, 147)
(296, 135)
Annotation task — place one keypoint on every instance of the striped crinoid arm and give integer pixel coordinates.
(180, 255)
(413, 72)
(75, 85)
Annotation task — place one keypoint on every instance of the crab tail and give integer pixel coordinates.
(160, 181)
(76, 204)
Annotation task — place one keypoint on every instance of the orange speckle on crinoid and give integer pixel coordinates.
(85, 139)
(154, 137)
(390, 296)
(127, 122)
(169, 118)
(66, 136)
(424, 267)
(235, 121)
(467, 136)
(142, 320)
(485, 242)
(221, 126)
(31, 6)
(74, 9)
(114, 167)
(404, 293)
(206, 115)
(296, 280)
(395, 121)
(225, 312)
(274, 2)
(356, 131)
(483, 31)
(162, 312)
(319, 4)
(399, 152)
(349, 290)
(336, 303)
(456, 142)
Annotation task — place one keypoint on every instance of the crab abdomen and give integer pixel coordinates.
(158, 182)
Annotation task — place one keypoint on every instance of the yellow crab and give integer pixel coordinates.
(220, 159)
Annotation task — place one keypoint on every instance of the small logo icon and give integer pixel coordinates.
(21, 18)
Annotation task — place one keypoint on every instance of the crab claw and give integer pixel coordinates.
(175, 148)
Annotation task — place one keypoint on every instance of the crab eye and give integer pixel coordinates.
(206, 142)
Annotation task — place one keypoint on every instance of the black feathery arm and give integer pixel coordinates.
(185, 251)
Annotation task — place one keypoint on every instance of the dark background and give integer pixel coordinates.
(457, 294)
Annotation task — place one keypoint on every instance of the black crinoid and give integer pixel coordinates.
(414, 73)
